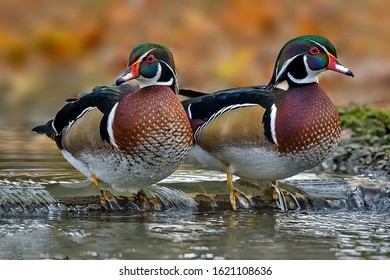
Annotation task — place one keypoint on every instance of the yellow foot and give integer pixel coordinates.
(148, 204)
(136, 202)
(108, 201)
(238, 200)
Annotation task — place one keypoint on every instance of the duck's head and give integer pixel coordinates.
(302, 59)
(150, 64)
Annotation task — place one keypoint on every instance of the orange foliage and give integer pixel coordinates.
(73, 45)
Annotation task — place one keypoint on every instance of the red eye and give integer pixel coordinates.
(150, 58)
(314, 50)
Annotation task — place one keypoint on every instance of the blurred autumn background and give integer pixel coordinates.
(52, 50)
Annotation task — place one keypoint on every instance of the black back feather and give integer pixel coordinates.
(203, 107)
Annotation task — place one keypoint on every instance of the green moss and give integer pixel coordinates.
(365, 121)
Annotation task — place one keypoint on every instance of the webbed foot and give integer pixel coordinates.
(136, 202)
(285, 199)
(109, 202)
(239, 200)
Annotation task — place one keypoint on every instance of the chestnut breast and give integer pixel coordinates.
(151, 116)
(306, 119)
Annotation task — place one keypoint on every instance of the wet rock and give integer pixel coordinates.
(365, 146)
(356, 157)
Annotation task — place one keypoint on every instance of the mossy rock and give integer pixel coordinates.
(365, 121)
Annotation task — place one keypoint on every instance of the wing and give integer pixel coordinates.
(102, 97)
(203, 110)
(234, 126)
(83, 135)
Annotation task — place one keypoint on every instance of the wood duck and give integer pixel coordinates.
(124, 136)
(265, 132)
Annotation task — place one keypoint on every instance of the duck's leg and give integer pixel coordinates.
(95, 181)
(138, 202)
(107, 201)
(238, 200)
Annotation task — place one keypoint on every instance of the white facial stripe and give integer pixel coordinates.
(272, 123)
(318, 44)
(281, 71)
(277, 67)
(170, 68)
(110, 121)
(171, 81)
(146, 54)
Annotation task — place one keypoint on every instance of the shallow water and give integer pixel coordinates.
(56, 232)
(192, 235)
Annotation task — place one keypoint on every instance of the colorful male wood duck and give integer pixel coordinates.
(267, 133)
(127, 137)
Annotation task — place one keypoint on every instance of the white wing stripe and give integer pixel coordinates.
(109, 125)
(272, 123)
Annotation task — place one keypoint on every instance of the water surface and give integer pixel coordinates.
(56, 233)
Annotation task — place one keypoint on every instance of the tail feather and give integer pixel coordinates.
(50, 132)
(45, 129)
